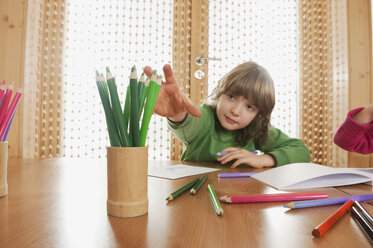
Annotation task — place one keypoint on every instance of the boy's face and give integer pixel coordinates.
(235, 112)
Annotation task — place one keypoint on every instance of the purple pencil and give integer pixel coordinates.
(328, 201)
(8, 127)
(240, 174)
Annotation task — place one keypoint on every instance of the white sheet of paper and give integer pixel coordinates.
(309, 175)
(177, 171)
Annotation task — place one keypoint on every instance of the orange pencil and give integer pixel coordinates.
(326, 224)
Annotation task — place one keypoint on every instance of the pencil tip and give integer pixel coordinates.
(286, 206)
(107, 69)
(133, 68)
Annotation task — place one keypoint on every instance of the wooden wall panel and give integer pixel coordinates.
(360, 65)
(12, 50)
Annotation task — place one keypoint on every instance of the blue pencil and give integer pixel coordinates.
(327, 201)
(257, 152)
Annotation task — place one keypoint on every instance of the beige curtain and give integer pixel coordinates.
(323, 72)
(324, 77)
(43, 79)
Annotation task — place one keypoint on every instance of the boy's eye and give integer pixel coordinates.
(231, 96)
(251, 107)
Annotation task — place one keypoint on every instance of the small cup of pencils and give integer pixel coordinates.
(127, 155)
(8, 107)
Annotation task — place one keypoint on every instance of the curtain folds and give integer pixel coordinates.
(324, 77)
(43, 79)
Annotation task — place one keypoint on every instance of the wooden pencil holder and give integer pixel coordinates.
(127, 178)
(3, 168)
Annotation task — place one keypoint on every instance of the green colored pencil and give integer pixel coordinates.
(198, 185)
(214, 200)
(154, 87)
(117, 110)
(144, 94)
(134, 120)
(178, 192)
(110, 120)
(127, 108)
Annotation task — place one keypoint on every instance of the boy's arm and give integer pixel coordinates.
(191, 128)
(286, 150)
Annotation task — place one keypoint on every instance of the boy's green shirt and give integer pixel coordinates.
(202, 141)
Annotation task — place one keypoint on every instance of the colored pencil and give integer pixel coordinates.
(110, 120)
(214, 199)
(363, 223)
(329, 222)
(181, 190)
(116, 108)
(154, 87)
(142, 92)
(134, 120)
(236, 174)
(257, 152)
(2, 91)
(272, 197)
(8, 127)
(198, 185)
(144, 95)
(5, 102)
(9, 112)
(127, 108)
(365, 214)
(328, 201)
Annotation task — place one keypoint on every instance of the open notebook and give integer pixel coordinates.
(309, 175)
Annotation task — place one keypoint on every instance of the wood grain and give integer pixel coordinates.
(62, 203)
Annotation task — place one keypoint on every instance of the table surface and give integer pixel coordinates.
(62, 203)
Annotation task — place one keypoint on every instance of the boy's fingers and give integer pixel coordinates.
(190, 107)
(148, 71)
(169, 75)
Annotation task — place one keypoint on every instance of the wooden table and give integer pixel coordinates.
(62, 203)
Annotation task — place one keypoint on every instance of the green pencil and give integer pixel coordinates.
(117, 110)
(178, 192)
(198, 185)
(154, 87)
(144, 94)
(127, 108)
(214, 200)
(134, 120)
(110, 120)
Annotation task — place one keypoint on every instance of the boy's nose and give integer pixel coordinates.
(236, 109)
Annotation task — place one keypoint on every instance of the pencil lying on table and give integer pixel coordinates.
(329, 222)
(214, 200)
(328, 201)
(178, 192)
(272, 197)
(198, 185)
(236, 174)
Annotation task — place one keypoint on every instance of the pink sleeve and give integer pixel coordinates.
(353, 136)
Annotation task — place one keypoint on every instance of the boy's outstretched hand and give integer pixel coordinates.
(171, 102)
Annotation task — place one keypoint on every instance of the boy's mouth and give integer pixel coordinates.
(230, 121)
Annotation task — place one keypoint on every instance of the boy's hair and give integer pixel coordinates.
(253, 82)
